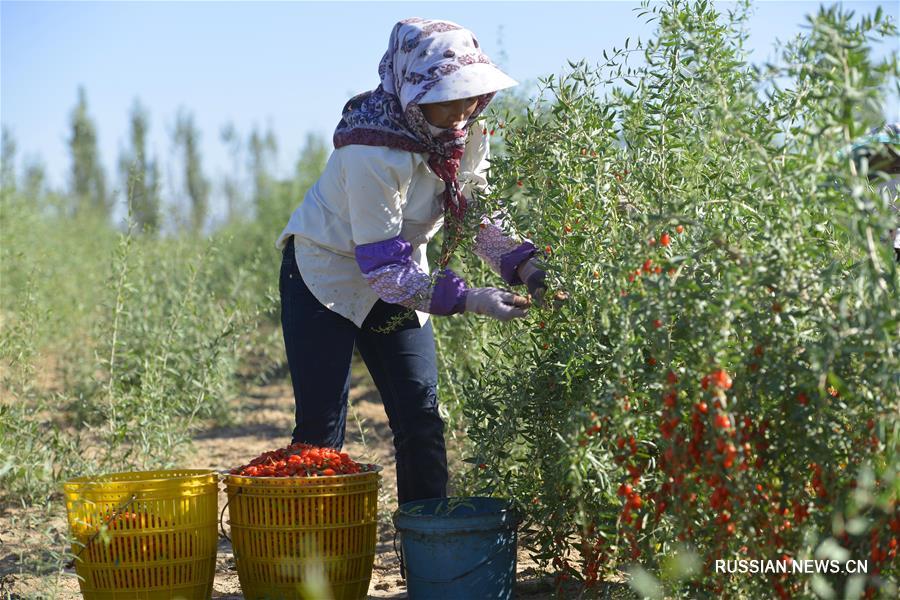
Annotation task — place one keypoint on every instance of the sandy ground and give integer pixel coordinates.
(266, 423)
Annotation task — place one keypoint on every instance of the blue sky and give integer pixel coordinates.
(287, 65)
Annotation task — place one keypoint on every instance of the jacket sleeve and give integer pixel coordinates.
(377, 180)
(500, 251)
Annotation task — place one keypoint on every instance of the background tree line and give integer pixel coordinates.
(249, 188)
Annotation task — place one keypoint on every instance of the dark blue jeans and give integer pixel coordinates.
(319, 344)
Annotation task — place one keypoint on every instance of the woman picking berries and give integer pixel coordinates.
(354, 267)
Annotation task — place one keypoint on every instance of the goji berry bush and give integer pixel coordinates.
(723, 382)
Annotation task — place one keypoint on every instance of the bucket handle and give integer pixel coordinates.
(222, 515)
(221, 522)
(404, 568)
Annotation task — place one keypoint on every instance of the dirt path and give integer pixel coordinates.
(265, 423)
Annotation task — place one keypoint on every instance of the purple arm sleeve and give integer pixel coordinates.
(500, 252)
(388, 267)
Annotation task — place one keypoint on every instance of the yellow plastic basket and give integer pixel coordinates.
(281, 526)
(144, 535)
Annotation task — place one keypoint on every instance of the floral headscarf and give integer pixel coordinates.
(426, 61)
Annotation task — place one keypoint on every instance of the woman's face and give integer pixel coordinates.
(449, 114)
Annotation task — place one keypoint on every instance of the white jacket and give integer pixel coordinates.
(368, 194)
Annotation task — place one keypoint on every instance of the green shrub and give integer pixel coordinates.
(110, 361)
(724, 380)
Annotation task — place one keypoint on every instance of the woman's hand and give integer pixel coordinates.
(496, 303)
(534, 278)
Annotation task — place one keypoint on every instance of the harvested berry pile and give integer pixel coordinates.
(302, 460)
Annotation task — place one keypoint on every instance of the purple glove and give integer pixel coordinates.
(534, 278)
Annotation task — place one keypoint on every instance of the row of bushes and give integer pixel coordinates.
(116, 346)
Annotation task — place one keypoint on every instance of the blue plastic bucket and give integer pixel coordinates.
(458, 548)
